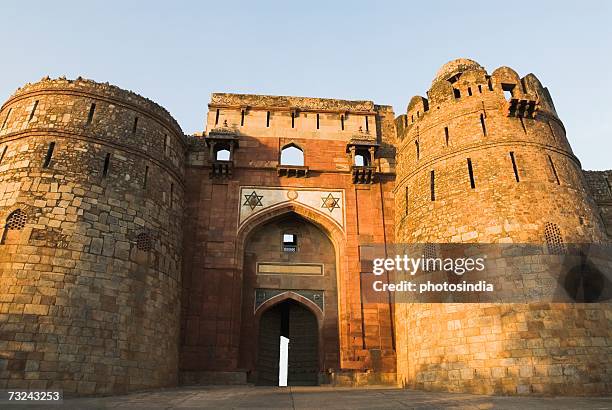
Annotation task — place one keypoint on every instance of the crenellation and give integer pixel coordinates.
(497, 161)
(301, 117)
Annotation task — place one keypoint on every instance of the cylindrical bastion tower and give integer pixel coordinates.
(485, 159)
(91, 202)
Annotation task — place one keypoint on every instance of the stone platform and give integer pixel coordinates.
(250, 397)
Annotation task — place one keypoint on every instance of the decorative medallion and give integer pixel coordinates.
(253, 200)
(330, 202)
(292, 195)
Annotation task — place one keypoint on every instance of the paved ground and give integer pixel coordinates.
(249, 397)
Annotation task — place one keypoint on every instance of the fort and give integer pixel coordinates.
(134, 256)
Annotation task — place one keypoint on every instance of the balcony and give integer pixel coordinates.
(221, 169)
(292, 171)
(363, 174)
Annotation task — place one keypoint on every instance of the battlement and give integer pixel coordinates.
(100, 112)
(297, 117)
(82, 86)
(288, 103)
(464, 83)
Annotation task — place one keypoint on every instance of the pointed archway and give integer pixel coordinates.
(289, 289)
(297, 323)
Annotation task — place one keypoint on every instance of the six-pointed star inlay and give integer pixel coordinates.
(330, 202)
(253, 200)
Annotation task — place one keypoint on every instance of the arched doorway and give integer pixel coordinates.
(295, 322)
(289, 271)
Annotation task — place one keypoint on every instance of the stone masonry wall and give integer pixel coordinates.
(95, 188)
(600, 184)
(506, 348)
(89, 286)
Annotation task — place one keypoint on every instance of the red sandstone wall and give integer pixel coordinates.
(213, 260)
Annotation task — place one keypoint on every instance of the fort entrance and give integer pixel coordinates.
(297, 323)
(289, 290)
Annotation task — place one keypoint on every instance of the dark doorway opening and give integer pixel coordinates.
(295, 322)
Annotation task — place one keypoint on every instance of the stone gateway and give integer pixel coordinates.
(133, 256)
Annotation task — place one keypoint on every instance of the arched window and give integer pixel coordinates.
(554, 240)
(362, 158)
(222, 152)
(16, 221)
(144, 242)
(292, 155)
(222, 155)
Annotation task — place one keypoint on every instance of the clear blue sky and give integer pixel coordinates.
(177, 53)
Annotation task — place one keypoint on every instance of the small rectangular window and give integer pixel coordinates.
(433, 185)
(554, 170)
(3, 153)
(446, 136)
(217, 117)
(342, 122)
(514, 167)
(483, 125)
(470, 91)
(292, 120)
(552, 131)
(418, 151)
(6, 118)
(146, 176)
(471, 172)
(480, 88)
(242, 118)
(289, 242)
(92, 110)
(456, 93)
(508, 90)
(49, 155)
(33, 111)
(318, 124)
(106, 164)
(135, 126)
(268, 119)
(367, 124)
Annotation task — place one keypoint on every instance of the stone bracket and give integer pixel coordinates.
(292, 171)
(522, 108)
